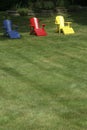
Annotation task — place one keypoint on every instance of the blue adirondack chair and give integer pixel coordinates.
(7, 25)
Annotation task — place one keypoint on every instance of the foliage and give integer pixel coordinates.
(9, 4)
(48, 5)
(23, 11)
(63, 3)
(5, 5)
(44, 5)
(38, 4)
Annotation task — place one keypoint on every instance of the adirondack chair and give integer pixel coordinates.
(63, 26)
(7, 25)
(35, 27)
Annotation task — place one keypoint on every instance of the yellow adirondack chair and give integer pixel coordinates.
(63, 26)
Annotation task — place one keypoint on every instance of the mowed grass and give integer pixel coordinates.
(43, 80)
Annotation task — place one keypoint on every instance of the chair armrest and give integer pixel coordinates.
(43, 25)
(68, 23)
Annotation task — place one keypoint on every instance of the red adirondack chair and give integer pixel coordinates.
(35, 27)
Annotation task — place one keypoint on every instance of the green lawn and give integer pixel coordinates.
(43, 80)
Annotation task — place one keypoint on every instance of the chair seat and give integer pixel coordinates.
(68, 30)
(14, 34)
(40, 32)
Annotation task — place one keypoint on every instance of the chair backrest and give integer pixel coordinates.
(60, 20)
(34, 22)
(7, 25)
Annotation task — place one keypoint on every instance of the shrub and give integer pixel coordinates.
(23, 11)
(48, 5)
